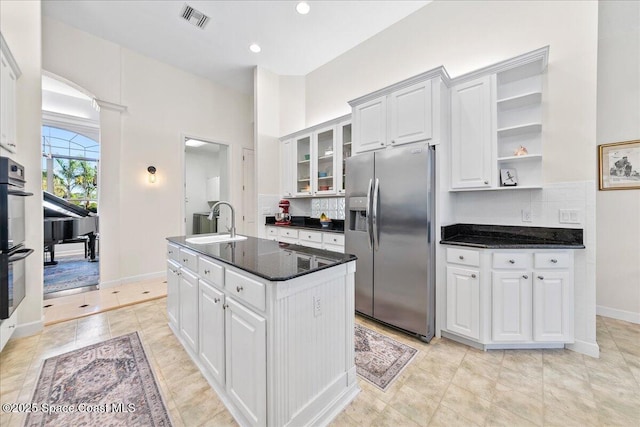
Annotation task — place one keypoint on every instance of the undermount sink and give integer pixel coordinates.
(216, 238)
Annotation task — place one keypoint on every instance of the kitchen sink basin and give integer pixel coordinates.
(216, 238)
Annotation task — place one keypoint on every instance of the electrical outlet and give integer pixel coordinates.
(526, 215)
(317, 307)
(569, 216)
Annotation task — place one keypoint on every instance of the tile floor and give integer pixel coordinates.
(87, 303)
(447, 384)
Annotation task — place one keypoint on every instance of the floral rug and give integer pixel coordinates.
(380, 359)
(106, 384)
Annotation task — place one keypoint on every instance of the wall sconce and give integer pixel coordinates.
(152, 174)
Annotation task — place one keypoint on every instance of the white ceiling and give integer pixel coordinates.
(292, 44)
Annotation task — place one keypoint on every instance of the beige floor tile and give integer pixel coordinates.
(519, 403)
(445, 417)
(392, 417)
(479, 385)
(517, 381)
(500, 417)
(428, 384)
(568, 401)
(343, 420)
(467, 404)
(414, 405)
(365, 408)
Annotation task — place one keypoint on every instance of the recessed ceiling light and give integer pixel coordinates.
(303, 8)
(255, 48)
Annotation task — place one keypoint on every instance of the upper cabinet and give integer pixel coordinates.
(313, 160)
(399, 114)
(496, 125)
(9, 74)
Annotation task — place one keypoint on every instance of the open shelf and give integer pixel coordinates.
(325, 177)
(304, 180)
(520, 158)
(520, 129)
(330, 156)
(303, 161)
(518, 101)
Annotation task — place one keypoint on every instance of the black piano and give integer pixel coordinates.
(65, 222)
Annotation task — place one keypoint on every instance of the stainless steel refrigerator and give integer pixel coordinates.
(390, 227)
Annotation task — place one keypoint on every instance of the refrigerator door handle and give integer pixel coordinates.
(368, 213)
(376, 194)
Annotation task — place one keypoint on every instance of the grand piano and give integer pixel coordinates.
(65, 222)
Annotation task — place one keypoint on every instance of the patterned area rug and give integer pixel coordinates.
(380, 359)
(105, 384)
(70, 274)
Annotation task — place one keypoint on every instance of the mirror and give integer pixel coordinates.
(206, 182)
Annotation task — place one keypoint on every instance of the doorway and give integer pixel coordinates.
(206, 166)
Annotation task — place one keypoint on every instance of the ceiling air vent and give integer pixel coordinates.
(194, 17)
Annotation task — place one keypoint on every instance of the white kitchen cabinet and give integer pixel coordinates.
(313, 239)
(400, 114)
(189, 309)
(173, 293)
(212, 330)
(553, 306)
(313, 159)
(511, 305)
(510, 298)
(410, 114)
(246, 364)
(370, 125)
(496, 124)
(463, 301)
(471, 134)
(9, 74)
(7, 328)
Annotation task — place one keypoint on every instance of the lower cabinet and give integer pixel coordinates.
(245, 342)
(211, 313)
(314, 239)
(188, 308)
(510, 299)
(173, 293)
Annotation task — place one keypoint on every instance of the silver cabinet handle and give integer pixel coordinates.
(393, 141)
(524, 276)
(541, 277)
(473, 276)
(216, 300)
(309, 237)
(376, 196)
(207, 272)
(225, 306)
(239, 288)
(511, 261)
(486, 182)
(335, 240)
(461, 257)
(382, 143)
(170, 252)
(185, 260)
(368, 214)
(553, 260)
(11, 144)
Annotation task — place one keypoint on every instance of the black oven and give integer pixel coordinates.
(12, 235)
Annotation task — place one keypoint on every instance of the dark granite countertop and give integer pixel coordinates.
(511, 237)
(308, 223)
(268, 259)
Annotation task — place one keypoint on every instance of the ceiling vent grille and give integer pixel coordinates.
(194, 17)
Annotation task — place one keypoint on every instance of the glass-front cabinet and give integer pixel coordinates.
(313, 160)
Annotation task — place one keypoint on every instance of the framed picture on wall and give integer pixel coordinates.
(619, 165)
(508, 177)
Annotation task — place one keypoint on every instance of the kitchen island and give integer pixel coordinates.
(269, 325)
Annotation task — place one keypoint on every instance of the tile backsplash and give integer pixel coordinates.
(333, 207)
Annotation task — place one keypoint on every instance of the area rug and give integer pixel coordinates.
(380, 359)
(106, 384)
(70, 274)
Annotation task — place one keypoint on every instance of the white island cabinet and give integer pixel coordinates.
(270, 328)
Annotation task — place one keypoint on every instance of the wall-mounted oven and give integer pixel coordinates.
(12, 235)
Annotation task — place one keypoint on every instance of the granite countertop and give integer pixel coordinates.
(511, 237)
(268, 259)
(308, 223)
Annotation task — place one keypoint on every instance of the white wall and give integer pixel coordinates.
(618, 212)
(163, 103)
(20, 26)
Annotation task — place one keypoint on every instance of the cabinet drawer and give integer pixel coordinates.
(211, 272)
(246, 289)
(552, 260)
(333, 239)
(334, 248)
(173, 252)
(188, 259)
(288, 232)
(463, 256)
(310, 236)
(511, 260)
(272, 231)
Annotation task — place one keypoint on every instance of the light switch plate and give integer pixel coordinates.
(317, 307)
(569, 216)
(526, 215)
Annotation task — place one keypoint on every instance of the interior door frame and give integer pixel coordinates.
(183, 161)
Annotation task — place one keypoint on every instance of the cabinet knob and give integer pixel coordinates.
(11, 144)
(225, 306)
(524, 276)
(170, 252)
(511, 261)
(207, 272)
(486, 182)
(309, 237)
(185, 260)
(11, 326)
(393, 141)
(541, 277)
(216, 300)
(461, 257)
(473, 276)
(239, 288)
(382, 143)
(553, 260)
(335, 240)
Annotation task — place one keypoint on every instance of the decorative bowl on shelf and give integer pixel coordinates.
(307, 156)
(322, 174)
(324, 188)
(325, 224)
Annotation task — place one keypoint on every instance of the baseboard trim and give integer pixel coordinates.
(588, 348)
(27, 329)
(614, 313)
(132, 279)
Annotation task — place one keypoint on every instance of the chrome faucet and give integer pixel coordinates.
(232, 231)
